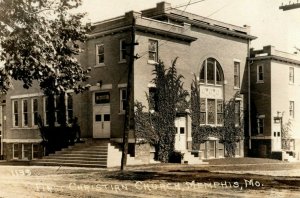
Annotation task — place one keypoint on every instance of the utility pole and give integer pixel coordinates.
(290, 6)
(129, 96)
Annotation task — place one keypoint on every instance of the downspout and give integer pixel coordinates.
(249, 96)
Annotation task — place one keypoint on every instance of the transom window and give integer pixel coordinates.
(102, 97)
(211, 72)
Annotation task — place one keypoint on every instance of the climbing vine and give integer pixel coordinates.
(228, 134)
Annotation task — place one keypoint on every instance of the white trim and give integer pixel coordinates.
(123, 85)
(151, 85)
(22, 114)
(13, 113)
(26, 95)
(236, 60)
(103, 87)
(97, 55)
(257, 74)
(261, 116)
(32, 111)
(22, 140)
(121, 60)
(13, 151)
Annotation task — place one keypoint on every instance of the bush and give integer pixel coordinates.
(175, 157)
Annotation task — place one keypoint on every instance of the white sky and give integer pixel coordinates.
(271, 25)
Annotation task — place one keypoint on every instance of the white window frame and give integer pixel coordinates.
(238, 74)
(23, 152)
(258, 74)
(291, 75)
(150, 51)
(13, 151)
(23, 113)
(68, 118)
(122, 51)
(32, 151)
(97, 55)
(45, 110)
(122, 110)
(262, 118)
(15, 115)
(292, 109)
(33, 111)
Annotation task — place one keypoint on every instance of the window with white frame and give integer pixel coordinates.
(291, 75)
(100, 54)
(153, 50)
(15, 151)
(236, 74)
(211, 111)
(260, 73)
(35, 151)
(211, 72)
(15, 111)
(24, 113)
(292, 109)
(122, 50)
(123, 97)
(35, 111)
(237, 112)
(57, 106)
(25, 151)
(46, 110)
(260, 125)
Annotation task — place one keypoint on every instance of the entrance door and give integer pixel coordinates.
(180, 137)
(276, 139)
(101, 115)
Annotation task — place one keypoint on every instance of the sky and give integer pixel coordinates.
(271, 25)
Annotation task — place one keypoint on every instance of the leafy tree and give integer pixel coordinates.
(39, 42)
(170, 97)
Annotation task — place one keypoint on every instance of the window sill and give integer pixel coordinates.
(152, 62)
(236, 88)
(122, 61)
(290, 83)
(121, 113)
(100, 65)
(260, 82)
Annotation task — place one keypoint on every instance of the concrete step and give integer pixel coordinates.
(40, 163)
(86, 158)
(66, 155)
(63, 161)
(81, 152)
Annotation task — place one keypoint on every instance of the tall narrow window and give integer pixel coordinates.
(25, 150)
(210, 71)
(237, 74)
(153, 99)
(291, 75)
(260, 73)
(260, 125)
(211, 111)
(15, 113)
(46, 111)
(100, 53)
(202, 111)
(25, 113)
(219, 111)
(57, 105)
(292, 109)
(122, 50)
(237, 112)
(153, 50)
(123, 96)
(69, 108)
(35, 112)
(35, 151)
(15, 151)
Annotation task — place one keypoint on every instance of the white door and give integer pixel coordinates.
(276, 139)
(101, 115)
(180, 137)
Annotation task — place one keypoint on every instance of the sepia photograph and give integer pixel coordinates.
(149, 98)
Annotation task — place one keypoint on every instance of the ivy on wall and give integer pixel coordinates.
(228, 134)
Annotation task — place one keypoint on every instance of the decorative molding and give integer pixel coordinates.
(103, 87)
(26, 95)
(22, 140)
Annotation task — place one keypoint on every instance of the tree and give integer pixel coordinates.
(39, 42)
(170, 97)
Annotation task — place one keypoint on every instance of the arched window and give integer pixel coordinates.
(211, 72)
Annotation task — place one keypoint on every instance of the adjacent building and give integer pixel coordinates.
(275, 98)
(214, 51)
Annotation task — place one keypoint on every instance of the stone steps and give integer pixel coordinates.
(91, 154)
